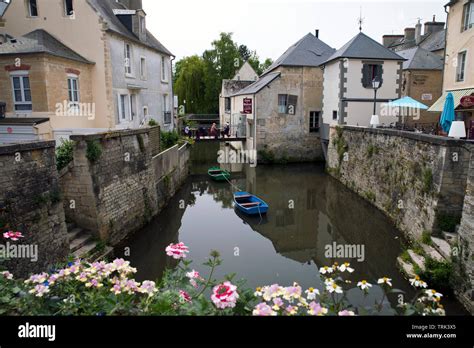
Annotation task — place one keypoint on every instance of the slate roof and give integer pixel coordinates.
(258, 85)
(231, 87)
(105, 9)
(431, 42)
(308, 51)
(421, 59)
(363, 47)
(40, 41)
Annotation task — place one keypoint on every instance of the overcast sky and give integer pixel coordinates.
(188, 27)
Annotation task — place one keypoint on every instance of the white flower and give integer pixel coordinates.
(334, 288)
(326, 269)
(7, 275)
(433, 294)
(364, 285)
(311, 293)
(385, 280)
(418, 283)
(345, 267)
(258, 292)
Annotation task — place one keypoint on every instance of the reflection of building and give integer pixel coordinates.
(125, 72)
(281, 110)
(348, 76)
(459, 61)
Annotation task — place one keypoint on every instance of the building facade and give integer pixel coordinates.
(130, 78)
(281, 111)
(348, 93)
(458, 77)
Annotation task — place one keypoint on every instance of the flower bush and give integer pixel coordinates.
(108, 288)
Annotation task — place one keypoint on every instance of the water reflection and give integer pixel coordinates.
(308, 211)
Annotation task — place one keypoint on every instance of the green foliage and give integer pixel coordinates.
(448, 223)
(369, 195)
(438, 274)
(372, 150)
(64, 154)
(168, 140)
(152, 123)
(266, 156)
(426, 238)
(427, 180)
(198, 79)
(94, 151)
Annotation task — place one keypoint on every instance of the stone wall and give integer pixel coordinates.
(30, 202)
(119, 192)
(466, 238)
(416, 179)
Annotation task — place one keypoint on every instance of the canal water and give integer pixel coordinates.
(309, 213)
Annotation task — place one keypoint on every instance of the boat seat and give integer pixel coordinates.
(242, 197)
(250, 204)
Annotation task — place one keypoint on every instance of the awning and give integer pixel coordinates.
(457, 94)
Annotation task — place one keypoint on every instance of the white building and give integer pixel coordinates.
(348, 95)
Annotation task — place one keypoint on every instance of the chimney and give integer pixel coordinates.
(409, 34)
(316, 33)
(418, 33)
(433, 27)
(388, 40)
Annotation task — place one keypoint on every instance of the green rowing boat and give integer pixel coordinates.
(218, 174)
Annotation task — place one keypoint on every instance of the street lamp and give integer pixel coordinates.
(375, 86)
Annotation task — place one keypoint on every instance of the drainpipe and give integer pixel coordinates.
(445, 48)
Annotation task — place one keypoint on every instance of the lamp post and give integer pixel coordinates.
(375, 86)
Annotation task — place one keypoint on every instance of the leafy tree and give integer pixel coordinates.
(190, 77)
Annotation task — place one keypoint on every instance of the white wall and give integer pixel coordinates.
(331, 92)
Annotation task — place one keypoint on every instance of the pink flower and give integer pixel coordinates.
(148, 287)
(7, 275)
(225, 295)
(14, 236)
(177, 251)
(263, 310)
(316, 309)
(184, 296)
(193, 275)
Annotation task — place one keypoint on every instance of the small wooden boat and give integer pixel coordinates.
(249, 204)
(218, 174)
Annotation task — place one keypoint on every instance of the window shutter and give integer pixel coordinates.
(380, 74)
(366, 76)
(292, 101)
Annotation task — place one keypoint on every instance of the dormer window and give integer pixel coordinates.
(32, 8)
(143, 26)
(68, 7)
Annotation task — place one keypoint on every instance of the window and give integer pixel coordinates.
(468, 16)
(287, 104)
(369, 72)
(461, 67)
(128, 59)
(282, 103)
(68, 7)
(166, 112)
(334, 115)
(123, 107)
(143, 68)
(22, 92)
(142, 25)
(133, 105)
(164, 75)
(314, 121)
(73, 90)
(227, 104)
(32, 8)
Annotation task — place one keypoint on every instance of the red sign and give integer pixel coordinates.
(467, 101)
(247, 106)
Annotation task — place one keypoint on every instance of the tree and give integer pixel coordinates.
(189, 84)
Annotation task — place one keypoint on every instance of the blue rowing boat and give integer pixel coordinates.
(250, 204)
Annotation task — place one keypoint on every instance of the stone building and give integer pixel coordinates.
(131, 71)
(422, 80)
(348, 74)
(244, 77)
(458, 77)
(281, 110)
(422, 77)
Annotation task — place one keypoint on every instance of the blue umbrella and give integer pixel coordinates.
(447, 117)
(407, 102)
